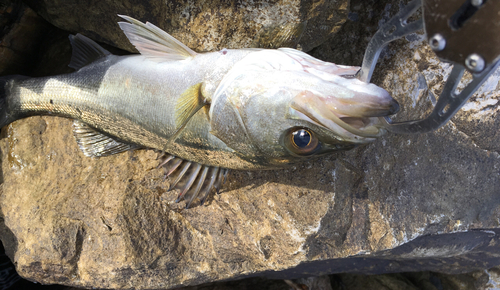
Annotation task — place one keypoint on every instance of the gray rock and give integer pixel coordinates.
(425, 202)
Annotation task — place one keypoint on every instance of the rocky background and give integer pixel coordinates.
(428, 203)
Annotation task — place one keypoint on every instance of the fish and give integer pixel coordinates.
(208, 113)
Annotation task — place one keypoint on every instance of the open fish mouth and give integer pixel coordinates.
(346, 106)
(351, 112)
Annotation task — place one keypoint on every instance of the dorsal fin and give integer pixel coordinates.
(152, 42)
(95, 144)
(85, 51)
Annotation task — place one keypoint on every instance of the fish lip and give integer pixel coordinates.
(359, 103)
(347, 118)
(394, 108)
(342, 130)
(391, 108)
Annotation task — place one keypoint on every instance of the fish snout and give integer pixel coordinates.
(393, 107)
(370, 106)
(362, 100)
(351, 114)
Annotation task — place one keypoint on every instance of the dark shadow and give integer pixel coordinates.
(474, 250)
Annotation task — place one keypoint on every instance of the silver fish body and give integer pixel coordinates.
(133, 99)
(232, 109)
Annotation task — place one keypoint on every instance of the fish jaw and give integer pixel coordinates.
(340, 102)
(348, 107)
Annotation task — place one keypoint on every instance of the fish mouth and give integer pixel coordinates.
(339, 102)
(351, 113)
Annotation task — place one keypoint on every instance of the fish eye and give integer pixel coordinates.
(301, 141)
(301, 138)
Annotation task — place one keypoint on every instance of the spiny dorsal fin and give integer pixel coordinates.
(96, 144)
(85, 51)
(279, 35)
(152, 42)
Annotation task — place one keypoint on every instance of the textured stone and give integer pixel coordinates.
(425, 202)
(413, 281)
(479, 280)
(201, 25)
(21, 34)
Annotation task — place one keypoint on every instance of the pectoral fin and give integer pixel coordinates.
(189, 103)
(153, 42)
(95, 144)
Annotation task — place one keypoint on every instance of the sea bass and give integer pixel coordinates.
(209, 112)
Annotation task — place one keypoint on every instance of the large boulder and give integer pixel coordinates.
(201, 25)
(403, 203)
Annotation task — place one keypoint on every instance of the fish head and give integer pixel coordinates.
(277, 107)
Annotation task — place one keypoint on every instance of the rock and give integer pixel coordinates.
(316, 283)
(479, 280)
(244, 284)
(21, 34)
(113, 215)
(201, 25)
(413, 281)
(404, 203)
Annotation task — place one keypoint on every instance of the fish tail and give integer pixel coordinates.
(7, 115)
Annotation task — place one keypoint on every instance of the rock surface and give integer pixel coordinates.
(403, 203)
(201, 25)
(480, 280)
(21, 34)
